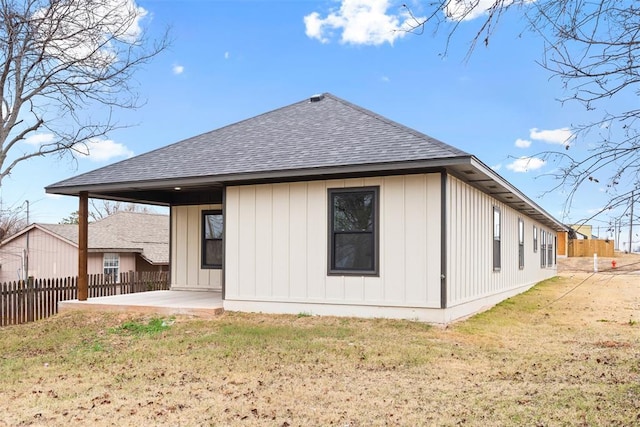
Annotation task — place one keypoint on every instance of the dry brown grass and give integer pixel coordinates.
(565, 353)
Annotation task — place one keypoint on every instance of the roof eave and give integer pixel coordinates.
(114, 250)
(229, 179)
(550, 220)
(449, 163)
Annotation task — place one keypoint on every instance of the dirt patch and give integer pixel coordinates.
(567, 352)
(624, 264)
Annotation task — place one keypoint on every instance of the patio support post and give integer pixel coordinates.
(83, 243)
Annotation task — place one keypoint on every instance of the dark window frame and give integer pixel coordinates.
(520, 243)
(203, 243)
(496, 239)
(375, 232)
(543, 249)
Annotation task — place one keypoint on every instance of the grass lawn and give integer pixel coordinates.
(565, 353)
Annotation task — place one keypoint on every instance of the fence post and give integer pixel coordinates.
(132, 282)
(30, 294)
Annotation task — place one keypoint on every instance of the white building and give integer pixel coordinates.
(327, 208)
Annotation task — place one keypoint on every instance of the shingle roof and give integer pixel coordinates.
(320, 137)
(126, 231)
(328, 133)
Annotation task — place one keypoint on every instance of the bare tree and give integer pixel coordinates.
(99, 209)
(12, 220)
(594, 49)
(65, 67)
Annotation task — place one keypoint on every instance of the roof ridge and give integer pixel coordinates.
(394, 123)
(138, 213)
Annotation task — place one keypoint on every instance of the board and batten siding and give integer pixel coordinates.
(186, 252)
(276, 249)
(472, 283)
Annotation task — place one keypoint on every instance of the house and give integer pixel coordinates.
(582, 231)
(327, 208)
(122, 242)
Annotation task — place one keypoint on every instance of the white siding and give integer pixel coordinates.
(186, 251)
(277, 242)
(276, 249)
(470, 274)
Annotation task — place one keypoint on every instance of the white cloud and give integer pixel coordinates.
(361, 22)
(522, 143)
(100, 150)
(178, 69)
(53, 196)
(497, 167)
(385, 79)
(39, 139)
(226, 55)
(562, 136)
(525, 164)
(466, 10)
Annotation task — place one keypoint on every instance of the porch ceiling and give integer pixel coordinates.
(161, 195)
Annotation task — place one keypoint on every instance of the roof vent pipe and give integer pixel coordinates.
(316, 98)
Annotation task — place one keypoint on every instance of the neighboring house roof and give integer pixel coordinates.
(320, 137)
(147, 234)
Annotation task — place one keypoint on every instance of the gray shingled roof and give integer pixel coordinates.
(306, 135)
(124, 231)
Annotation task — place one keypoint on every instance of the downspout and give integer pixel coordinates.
(443, 239)
(170, 272)
(224, 240)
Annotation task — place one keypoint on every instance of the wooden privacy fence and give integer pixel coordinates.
(588, 247)
(35, 299)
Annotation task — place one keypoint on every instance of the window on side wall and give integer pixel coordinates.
(353, 231)
(520, 243)
(543, 247)
(535, 239)
(496, 239)
(111, 267)
(212, 227)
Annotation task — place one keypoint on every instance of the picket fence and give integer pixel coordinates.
(35, 299)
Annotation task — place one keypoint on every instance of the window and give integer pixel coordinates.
(111, 267)
(549, 250)
(520, 243)
(535, 239)
(212, 226)
(496, 238)
(353, 231)
(543, 247)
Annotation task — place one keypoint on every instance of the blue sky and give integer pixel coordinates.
(231, 60)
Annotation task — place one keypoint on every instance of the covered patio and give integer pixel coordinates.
(205, 304)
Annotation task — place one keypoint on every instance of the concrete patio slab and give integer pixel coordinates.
(190, 303)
